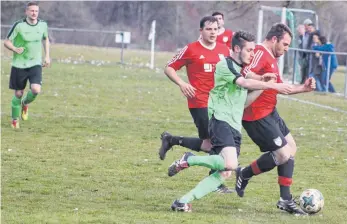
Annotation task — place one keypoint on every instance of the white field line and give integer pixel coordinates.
(314, 104)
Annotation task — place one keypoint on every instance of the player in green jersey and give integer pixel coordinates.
(225, 108)
(25, 40)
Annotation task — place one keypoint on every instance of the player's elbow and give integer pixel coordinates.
(6, 42)
(168, 70)
(242, 82)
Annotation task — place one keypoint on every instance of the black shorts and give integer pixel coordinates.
(200, 117)
(223, 135)
(268, 133)
(20, 76)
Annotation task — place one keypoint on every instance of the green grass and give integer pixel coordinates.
(88, 153)
(75, 52)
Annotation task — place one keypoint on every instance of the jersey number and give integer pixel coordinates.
(208, 67)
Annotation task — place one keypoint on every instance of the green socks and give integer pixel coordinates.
(30, 97)
(206, 186)
(215, 162)
(16, 107)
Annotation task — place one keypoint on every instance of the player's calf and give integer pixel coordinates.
(282, 155)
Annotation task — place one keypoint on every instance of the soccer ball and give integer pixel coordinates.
(311, 201)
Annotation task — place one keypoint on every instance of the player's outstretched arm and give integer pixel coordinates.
(308, 86)
(265, 77)
(257, 85)
(253, 95)
(187, 89)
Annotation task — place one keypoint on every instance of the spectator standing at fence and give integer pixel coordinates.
(316, 68)
(301, 32)
(329, 47)
(306, 44)
(304, 39)
(25, 40)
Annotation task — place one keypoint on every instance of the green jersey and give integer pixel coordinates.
(23, 34)
(227, 100)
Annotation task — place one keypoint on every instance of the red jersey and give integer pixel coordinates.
(225, 38)
(262, 62)
(200, 62)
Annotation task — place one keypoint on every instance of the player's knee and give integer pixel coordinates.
(19, 93)
(231, 165)
(293, 150)
(230, 158)
(206, 145)
(225, 174)
(282, 155)
(36, 89)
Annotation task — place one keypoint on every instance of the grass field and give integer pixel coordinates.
(88, 153)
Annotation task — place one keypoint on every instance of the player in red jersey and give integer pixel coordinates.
(224, 35)
(264, 125)
(200, 59)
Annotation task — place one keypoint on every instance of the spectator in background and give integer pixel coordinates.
(306, 44)
(304, 36)
(328, 47)
(301, 32)
(316, 68)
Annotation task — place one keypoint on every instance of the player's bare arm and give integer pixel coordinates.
(187, 89)
(257, 85)
(265, 77)
(9, 45)
(254, 94)
(308, 86)
(47, 61)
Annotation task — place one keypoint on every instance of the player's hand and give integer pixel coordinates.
(269, 77)
(310, 84)
(47, 62)
(283, 88)
(187, 89)
(19, 50)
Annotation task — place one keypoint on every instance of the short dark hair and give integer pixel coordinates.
(323, 39)
(317, 33)
(278, 30)
(240, 37)
(31, 4)
(218, 13)
(209, 19)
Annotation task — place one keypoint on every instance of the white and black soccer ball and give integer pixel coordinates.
(311, 201)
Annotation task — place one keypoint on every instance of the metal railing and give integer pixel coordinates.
(296, 50)
(113, 32)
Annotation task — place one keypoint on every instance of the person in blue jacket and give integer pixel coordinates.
(328, 47)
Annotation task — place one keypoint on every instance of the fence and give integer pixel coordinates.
(102, 38)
